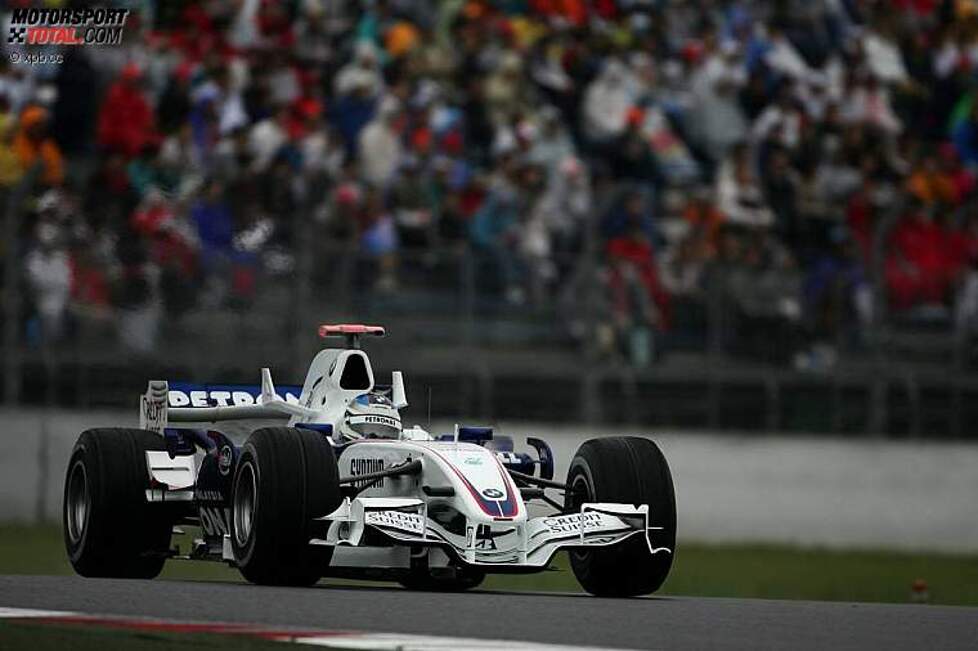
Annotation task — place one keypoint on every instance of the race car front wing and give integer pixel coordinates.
(501, 545)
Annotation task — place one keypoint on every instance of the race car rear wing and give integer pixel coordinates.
(181, 402)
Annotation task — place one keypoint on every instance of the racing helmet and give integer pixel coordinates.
(371, 416)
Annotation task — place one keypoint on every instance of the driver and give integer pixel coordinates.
(371, 416)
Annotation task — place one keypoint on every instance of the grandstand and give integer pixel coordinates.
(750, 215)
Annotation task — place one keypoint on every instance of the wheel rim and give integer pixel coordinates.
(77, 505)
(581, 491)
(245, 501)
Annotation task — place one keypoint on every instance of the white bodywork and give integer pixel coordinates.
(463, 507)
(483, 521)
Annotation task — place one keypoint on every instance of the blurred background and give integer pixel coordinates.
(752, 226)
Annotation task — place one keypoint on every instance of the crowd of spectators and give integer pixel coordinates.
(646, 166)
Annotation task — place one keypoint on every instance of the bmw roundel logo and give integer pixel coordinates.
(493, 493)
(224, 460)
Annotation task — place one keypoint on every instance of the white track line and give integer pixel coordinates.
(337, 640)
(398, 642)
(27, 613)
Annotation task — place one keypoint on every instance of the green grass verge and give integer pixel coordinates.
(762, 571)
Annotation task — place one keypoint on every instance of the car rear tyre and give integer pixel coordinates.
(628, 470)
(110, 530)
(285, 478)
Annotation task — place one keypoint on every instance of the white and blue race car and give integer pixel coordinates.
(329, 483)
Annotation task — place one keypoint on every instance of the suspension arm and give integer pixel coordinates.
(539, 481)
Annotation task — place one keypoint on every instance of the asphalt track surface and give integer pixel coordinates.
(647, 623)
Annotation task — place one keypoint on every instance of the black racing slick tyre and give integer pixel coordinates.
(628, 470)
(285, 478)
(110, 530)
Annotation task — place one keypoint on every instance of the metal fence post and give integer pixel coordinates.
(879, 385)
(12, 299)
(303, 285)
(772, 388)
(11, 302)
(878, 388)
(467, 274)
(476, 371)
(49, 359)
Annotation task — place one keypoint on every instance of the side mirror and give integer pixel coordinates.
(398, 397)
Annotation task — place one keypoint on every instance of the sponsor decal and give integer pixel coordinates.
(364, 467)
(224, 459)
(599, 529)
(508, 458)
(410, 522)
(572, 523)
(493, 493)
(484, 538)
(208, 496)
(214, 521)
(154, 414)
(225, 396)
(472, 461)
(374, 419)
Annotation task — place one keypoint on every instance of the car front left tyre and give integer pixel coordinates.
(285, 478)
(626, 470)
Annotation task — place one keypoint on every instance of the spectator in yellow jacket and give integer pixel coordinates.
(10, 169)
(32, 144)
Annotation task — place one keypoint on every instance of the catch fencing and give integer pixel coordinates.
(554, 351)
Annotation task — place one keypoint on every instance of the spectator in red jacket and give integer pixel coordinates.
(919, 268)
(635, 286)
(640, 303)
(126, 121)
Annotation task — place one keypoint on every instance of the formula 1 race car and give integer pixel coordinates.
(335, 486)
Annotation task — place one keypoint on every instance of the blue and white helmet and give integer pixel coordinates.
(371, 415)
